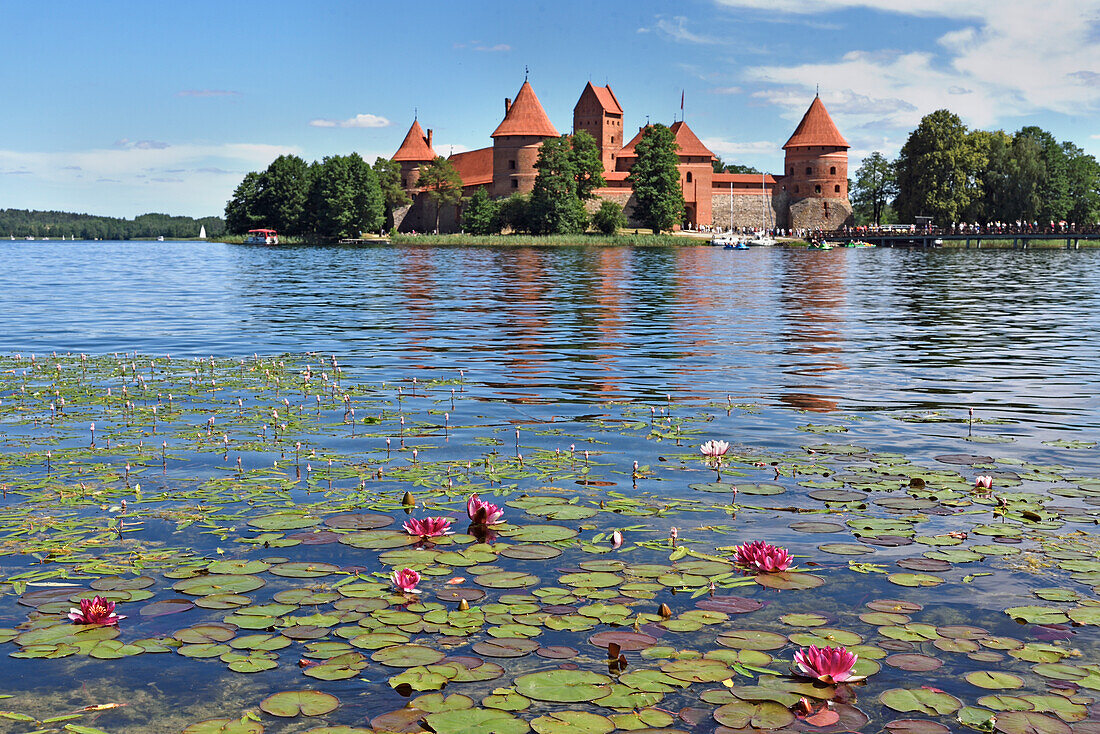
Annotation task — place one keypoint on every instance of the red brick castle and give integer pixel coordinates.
(811, 193)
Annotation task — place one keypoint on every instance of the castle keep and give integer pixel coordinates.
(810, 193)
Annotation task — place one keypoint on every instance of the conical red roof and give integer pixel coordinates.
(415, 146)
(526, 117)
(816, 128)
(690, 144)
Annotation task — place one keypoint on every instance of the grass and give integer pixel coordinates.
(525, 240)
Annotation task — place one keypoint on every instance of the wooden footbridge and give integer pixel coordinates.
(1020, 239)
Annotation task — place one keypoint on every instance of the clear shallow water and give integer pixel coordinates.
(576, 346)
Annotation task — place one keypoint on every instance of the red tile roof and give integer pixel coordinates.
(606, 98)
(415, 146)
(475, 167)
(526, 117)
(816, 128)
(690, 145)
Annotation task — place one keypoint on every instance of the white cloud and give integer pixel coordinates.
(185, 178)
(360, 120)
(1008, 58)
(676, 29)
(725, 147)
(446, 149)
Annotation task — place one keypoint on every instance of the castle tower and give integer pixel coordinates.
(695, 167)
(516, 143)
(599, 114)
(415, 150)
(816, 168)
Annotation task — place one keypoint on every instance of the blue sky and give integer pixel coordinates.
(123, 108)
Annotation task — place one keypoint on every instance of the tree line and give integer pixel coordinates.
(343, 196)
(24, 222)
(954, 174)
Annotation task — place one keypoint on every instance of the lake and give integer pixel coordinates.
(274, 445)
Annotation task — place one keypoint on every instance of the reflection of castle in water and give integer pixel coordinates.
(810, 193)
(812, 295)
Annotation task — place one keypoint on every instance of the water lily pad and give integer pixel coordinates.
(284, 521)
(359, 521)
(992, 679)
(572, 722)
(407, 656)
(845, 549)
(755, 714)
(816, 526)
(752, 640)
(789, 580)
(625, 639)
(166, 606)
(219, 584)
(506, 580)
(294, 703)
(476, 721)
(1026, 722)
(505, 647)
(924, 700)
(563, 686)
(530, 552)
(225, 726)
(542, 534)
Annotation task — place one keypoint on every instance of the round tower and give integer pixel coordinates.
(516, 143)
(816, 172)
(415, 151)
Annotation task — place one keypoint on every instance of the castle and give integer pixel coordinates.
(812, 193)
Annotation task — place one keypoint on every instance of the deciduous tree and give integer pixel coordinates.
(656, 180)
(442, 184)
(938, 170)
(875, 185)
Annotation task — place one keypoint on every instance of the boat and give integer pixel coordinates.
(724, 240)
(760, 238)
(857, 243)
(262, 237)
(202, 232)
(160, 238)
(735, 245)
(821, 245)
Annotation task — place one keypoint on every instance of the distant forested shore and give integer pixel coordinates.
(20, 223)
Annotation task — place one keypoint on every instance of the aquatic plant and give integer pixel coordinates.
(763, 557)
(482, 513)
(712, 452)
(406, 580)
(826, 664)
(96, 610)
(984, 482)
(429, 527)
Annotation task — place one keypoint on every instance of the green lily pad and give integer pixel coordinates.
(293, 703)
(926, 701)
(992, 679)
(225, 726)
(572, 722)
(755, 714)
(407, 656)
(563, 686)
(476, 721)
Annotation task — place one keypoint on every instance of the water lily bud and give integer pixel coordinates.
(463, 606)
(664, 611)
(408, 500)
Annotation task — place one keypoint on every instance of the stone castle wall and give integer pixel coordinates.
(747, 209)
(814, 213)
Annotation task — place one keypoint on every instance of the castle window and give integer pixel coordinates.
(515, 184)
(511, 165)
(404, 183)
(817, 189)
(689, 177)
(837, 188)
(791, 172)
(832, 171)
(809, 170)
(796, 189)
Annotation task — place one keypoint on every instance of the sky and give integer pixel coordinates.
(123, 108)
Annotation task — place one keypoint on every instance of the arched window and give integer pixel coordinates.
(837, 188)
(809, 171)
(817, 189)
(689, 177)
(832, 171)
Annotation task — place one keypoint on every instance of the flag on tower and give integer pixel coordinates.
(681, 103)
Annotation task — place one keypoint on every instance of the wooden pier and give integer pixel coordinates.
(933, 238)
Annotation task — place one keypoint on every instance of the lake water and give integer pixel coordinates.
(839, 370)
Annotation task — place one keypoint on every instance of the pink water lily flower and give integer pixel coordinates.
(429, 527)
(616, 539)
(983, 483)
(406, 580)
(483, 513)
(763, 557)
(827, 664)
(714, 449)
(95, 611)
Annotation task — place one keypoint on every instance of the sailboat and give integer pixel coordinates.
(761, 238)
(202, 232)
(729, 240)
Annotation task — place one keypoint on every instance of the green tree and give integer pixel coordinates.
(938, 170)
(368, 206)
(721, 166)
(240, 210)
(389, 180)
(555, 207)
(875, 185)
(609, 217)
(656, 180)
(480, 214)
(442, 184)
(587, 165)
(511, 213)
(1083, 184)
(332, 198)
(283, 192)
(1053, 184)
